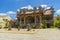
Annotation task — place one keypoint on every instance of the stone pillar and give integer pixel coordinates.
(35, 20)
(20, 24)
(40, 20)
(20, 21)
(24, 21)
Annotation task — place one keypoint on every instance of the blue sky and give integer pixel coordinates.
(12, 5)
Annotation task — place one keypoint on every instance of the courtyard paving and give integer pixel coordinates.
(39, 34)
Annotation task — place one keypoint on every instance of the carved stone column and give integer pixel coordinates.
(20, 21)
(35, 20)
(19, 24)
(24, 21)
(40, 20)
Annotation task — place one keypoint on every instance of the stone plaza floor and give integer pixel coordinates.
(39, 34)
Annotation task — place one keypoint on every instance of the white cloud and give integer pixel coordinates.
(3, 14)
(43, 5)
(18, 10)
(28, 7)
(58, 11)
(48, 7)
(11, 12)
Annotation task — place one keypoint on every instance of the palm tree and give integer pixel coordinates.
(18, 20)
(41, 9)
(18, 23)
(35, 9)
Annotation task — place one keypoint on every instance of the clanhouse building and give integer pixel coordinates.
(2, 18)
(35, 16)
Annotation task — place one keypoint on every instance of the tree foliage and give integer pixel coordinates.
(6, 23)
(57, 23)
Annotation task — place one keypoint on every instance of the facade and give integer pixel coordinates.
(35, 16)
(2, 17)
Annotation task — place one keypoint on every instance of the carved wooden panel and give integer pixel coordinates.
(48, 12)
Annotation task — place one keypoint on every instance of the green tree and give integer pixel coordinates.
(28, 27)
(57, 22)
(44, 24)
(10, 24)
(6, 23)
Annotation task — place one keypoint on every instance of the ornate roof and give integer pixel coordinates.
(29, 9)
